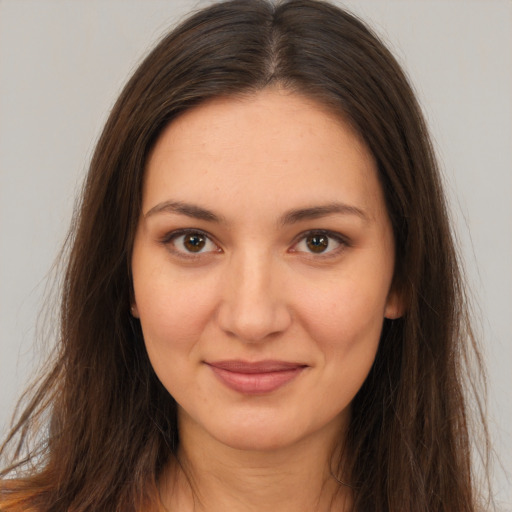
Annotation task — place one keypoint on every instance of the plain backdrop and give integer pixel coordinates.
(62, 64)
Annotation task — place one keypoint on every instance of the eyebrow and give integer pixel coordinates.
(316, 212)
(190, 210)
(289, 217)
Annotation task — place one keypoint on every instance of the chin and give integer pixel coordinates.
(256, 439)
(272, 430)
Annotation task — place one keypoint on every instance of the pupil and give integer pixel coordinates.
(194, 243)
(317, 243)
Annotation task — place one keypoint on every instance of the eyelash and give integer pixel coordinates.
(330, 235)
(170, 239)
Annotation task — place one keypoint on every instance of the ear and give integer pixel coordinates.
(395, 304)
(134, 310)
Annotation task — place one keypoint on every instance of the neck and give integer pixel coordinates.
(210, 476)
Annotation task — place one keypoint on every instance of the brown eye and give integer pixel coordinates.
(190, 242)
(317, 242)
(194, 242)
(320, 242)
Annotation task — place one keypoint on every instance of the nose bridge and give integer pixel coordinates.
(253, 306)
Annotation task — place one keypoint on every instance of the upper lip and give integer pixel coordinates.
(267, 366)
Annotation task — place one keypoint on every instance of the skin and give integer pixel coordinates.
(257, 291)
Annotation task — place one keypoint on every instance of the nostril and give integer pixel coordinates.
(252, 306)
(254, 324)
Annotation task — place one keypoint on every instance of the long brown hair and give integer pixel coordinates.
(111, 425)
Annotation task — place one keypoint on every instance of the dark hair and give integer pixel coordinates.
(112, 425)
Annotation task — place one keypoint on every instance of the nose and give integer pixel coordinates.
(253, 306)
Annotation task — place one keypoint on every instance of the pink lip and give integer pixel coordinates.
(254, 378)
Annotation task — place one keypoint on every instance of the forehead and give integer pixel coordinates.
(269, 149)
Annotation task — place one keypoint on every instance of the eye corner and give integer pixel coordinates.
(325, 239)
(207, 244)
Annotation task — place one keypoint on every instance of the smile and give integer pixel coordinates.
(255, 378)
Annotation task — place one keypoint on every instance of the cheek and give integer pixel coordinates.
(345, 310)
(345, 320)
(173, 313)
(172, 309)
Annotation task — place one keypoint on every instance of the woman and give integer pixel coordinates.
(262, 308)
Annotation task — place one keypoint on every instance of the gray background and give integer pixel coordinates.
(62, 64)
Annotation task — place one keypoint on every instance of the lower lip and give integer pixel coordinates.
(256, 383)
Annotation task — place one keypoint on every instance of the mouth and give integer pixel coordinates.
(255, 378)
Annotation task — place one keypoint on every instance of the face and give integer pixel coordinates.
(262, 268)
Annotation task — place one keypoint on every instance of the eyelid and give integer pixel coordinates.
(167, 241)
(338, 237)
(168, 238)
